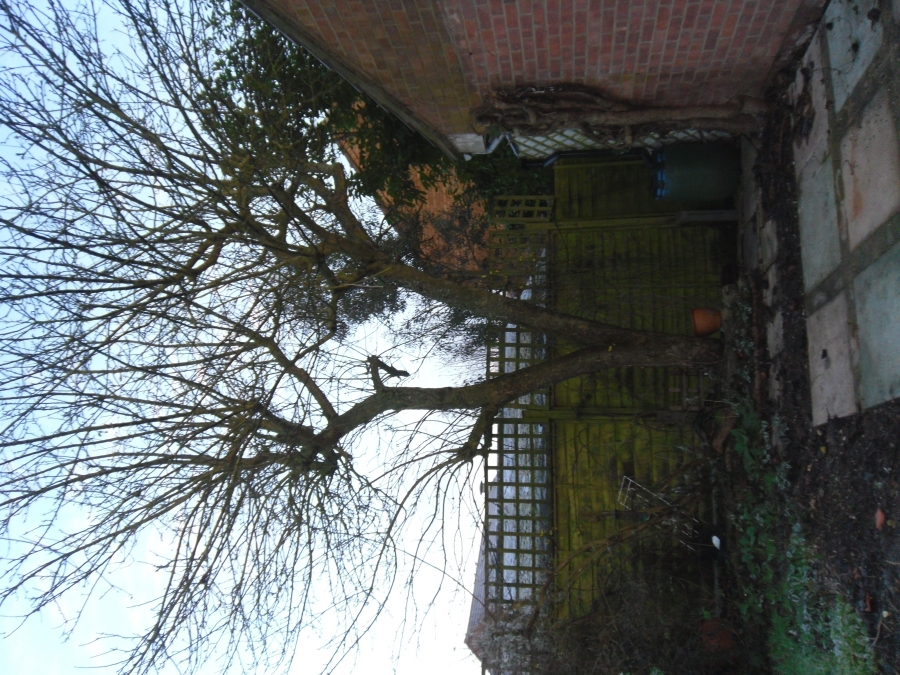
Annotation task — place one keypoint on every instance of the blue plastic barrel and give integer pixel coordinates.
(688, 172)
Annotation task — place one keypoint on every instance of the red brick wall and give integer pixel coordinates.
(672, 52)
(401, 45)
(440, 57)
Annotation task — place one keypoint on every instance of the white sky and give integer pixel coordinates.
(39, 646)
(435, 646)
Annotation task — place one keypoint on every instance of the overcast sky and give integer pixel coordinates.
(119, 603)
(435, 646)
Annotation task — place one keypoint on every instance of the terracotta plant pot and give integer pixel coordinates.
(716, 636)
(706, 321)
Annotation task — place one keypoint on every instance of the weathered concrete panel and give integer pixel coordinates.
(877, 295)
(870, 170)
(853, 41)
(808, 96)
(831, 375)
(819, 243)
(768, 245)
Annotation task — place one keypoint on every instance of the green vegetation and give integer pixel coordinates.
(501, 173)
(265, 67)
(807, 629)
(265, 71)
(831, 643)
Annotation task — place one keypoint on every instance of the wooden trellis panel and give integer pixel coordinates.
(522, 209)
(518, 480)
(612, 188)
(558, 457)
(517, 471)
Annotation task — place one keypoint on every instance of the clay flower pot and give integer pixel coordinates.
(715, 636)
(706, 321)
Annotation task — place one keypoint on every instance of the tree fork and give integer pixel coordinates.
(495, 306)
(496, 392)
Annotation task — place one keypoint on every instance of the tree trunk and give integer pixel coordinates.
(638, 347)
(494, 393)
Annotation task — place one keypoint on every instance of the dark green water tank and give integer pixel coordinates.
(687, 172)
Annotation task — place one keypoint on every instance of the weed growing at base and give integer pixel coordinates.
(808, 629)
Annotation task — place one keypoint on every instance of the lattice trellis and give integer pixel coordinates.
(518, 480)
(517, 470)
(517, 262)
(540, 147)
(523, 209)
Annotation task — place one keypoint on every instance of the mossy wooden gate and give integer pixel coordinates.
(613, 254)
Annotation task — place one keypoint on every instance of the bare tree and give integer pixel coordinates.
(183, 269)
